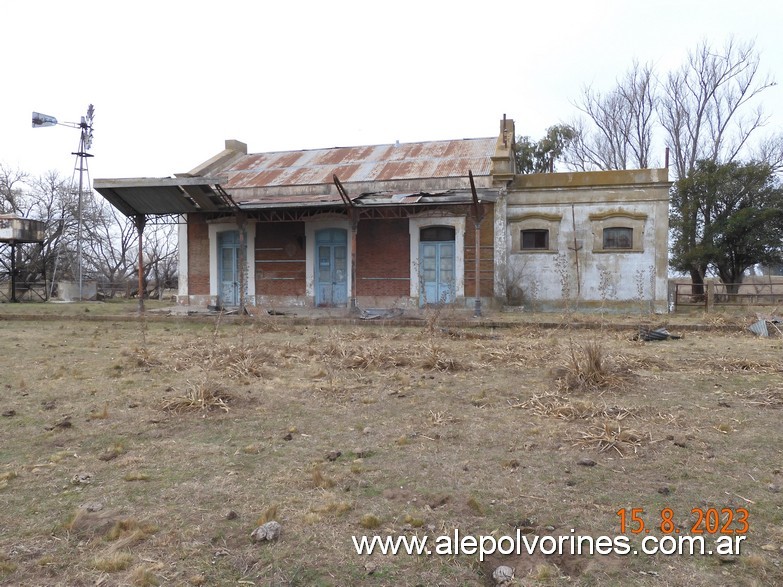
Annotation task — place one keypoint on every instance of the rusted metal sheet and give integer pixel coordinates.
(380, 175)
(159, 196)
(436, 159)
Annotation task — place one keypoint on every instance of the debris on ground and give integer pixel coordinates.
(265, 532)
(647, 334)
(503, 575)
(64, 422)
(380, 313)
(460, 335)
(81, 479)
(766, 324)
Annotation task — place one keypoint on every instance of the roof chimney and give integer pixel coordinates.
(234, 145)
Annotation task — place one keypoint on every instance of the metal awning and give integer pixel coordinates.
(370, 200)
(162, 196)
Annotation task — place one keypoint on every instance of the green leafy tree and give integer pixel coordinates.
(726, 217)
(540, 156)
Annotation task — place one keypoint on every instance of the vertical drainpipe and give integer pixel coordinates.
(140, 220)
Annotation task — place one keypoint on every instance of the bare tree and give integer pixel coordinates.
(705, 107)
(160, 257)
(770, 151)
(12, 182)
(52, 201)
(109, 239)
(46, 198)
(110, 247)
(618, 128)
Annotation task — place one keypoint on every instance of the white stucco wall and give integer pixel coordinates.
(575, 268)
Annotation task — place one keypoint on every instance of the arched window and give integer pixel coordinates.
(437, 234)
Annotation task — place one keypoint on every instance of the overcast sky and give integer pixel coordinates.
(171, 80)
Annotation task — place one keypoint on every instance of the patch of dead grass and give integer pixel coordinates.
(611, 436)
(734, 364)
(370, 522)
(203, 395)
(112, 562)
(7, 476)
(144, 576)
(127, 532)
(771, 397)
(514, 463)
(568, 408)
(320, 480)
(267, 515)
(88, 524)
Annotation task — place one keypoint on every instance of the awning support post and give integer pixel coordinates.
(353, 215)
(478, 216)
(140, 220)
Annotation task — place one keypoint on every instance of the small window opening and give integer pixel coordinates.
(618, 238)
(537, 238)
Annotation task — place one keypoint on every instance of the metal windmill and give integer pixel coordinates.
(85, 144)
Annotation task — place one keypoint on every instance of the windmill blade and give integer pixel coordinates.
(88, 130)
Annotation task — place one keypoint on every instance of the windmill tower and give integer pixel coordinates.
(85, 144)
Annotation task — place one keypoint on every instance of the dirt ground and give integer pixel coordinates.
(145, 452)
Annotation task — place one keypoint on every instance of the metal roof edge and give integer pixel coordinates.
(154, 181)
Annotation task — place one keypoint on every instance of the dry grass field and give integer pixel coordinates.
(146, 452)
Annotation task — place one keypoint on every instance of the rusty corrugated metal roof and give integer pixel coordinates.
(405, 161)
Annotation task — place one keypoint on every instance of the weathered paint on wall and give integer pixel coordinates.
(575, 268)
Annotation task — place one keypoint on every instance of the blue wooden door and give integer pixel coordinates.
(331, 271)
(437, 272)
(228, 267)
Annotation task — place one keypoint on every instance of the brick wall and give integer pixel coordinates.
(383, 258)
(487, 254)
(198, 255)
(280, 259)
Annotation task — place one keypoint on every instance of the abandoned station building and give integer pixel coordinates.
(408, 224)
